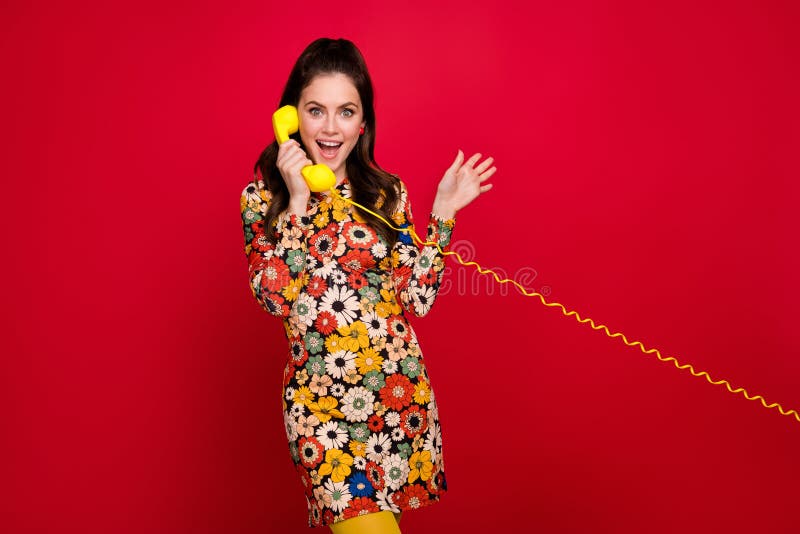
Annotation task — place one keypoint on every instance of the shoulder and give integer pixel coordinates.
(400, 188)
(254, 187)
(257, 190)
(255, 196)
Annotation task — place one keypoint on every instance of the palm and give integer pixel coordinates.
(461, 183)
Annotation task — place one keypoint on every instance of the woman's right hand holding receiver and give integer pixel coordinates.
(291, 159)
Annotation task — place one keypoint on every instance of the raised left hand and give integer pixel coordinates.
(461, 184)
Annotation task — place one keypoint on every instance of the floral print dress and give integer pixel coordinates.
(360, 415)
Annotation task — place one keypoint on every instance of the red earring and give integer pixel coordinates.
(361, 131)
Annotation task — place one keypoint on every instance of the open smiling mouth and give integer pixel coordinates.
(329, 149)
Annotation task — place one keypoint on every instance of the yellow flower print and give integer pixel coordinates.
(334, 343)
(368, 360)
(337, 464)
(339, 210)
(379, 344)
(366, 307)
(394, 260)
(413, 350)
(358, 448)
(380, 409)
(316, 477)
(387, 283)
(354, 336)
(420, 464)
(321, 220)
(292, 290)
(303, 395)
(418, 442)
(325, 408)
(385, 309)
(338, 203)
(301, 376)
(422, 392)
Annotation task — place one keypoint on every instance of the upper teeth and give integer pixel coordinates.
(329, 143)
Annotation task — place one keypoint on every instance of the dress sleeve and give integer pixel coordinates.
(418, 270)
(277, 272)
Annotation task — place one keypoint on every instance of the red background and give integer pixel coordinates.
(647, 171)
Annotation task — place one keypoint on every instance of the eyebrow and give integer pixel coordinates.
(320, 105)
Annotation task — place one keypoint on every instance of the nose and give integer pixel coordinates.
(330, 124)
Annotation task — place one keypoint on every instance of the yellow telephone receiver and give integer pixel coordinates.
(318, 177)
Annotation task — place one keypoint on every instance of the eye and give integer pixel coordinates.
(315, 112)
(347, 112)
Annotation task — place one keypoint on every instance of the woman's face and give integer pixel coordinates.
(330, 118)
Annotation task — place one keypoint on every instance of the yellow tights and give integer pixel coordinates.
(383, 522)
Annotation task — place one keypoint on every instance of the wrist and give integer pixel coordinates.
(297, 206)
(443, 210)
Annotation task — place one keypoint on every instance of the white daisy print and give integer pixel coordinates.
(408, 255)
(339, 363)
(392, 418)
(376, 326)
(423, 298)
(424, 261)
(357, 404)
(389, 367)
(383, 497)
(396, 470)
(378, 447)
(331, 435)
(342, 302)
(305, 308)
(398, 434)
(379, 249)
(339, 493)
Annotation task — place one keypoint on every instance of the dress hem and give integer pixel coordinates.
(407, 508)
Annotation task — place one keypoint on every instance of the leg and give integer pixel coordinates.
(382, 522)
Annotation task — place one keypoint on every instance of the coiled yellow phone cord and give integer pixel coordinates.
(689, 367)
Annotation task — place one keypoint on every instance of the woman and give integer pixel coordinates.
(361, 418)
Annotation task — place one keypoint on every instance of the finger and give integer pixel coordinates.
(488, 173)
(485, 188)
(457, 163)
(484, 165)
(287, 145)
(294, 162)
(474, 159)
(290, 157)
(286, 149)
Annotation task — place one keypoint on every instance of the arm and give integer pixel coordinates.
(277, 272)
(418, 270)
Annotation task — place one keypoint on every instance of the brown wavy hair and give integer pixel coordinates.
(368, 182)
